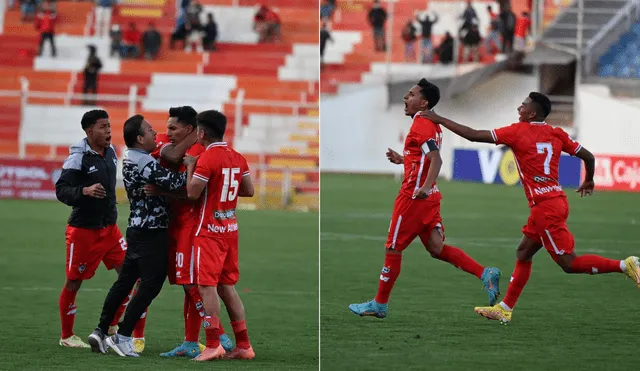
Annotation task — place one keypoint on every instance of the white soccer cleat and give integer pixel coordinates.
(73, 342)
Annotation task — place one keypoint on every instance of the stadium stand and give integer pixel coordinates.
(269, 91)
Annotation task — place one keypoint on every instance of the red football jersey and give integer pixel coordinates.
(223, 169)
(181, 209)
(424, 137)
(537, 148)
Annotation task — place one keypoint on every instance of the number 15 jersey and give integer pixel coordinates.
(223, 169)
(537, 148)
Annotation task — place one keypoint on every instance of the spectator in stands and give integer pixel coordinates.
(326, 9)
(130, 41)
(27, 9)
(325, 36)
(194, 36)
(266, 23)
(523, 23)
(445, 50)
(493, 39)
(508, 22)
(469, 17)
(260, 23)
(151, 42)
(471, 43)
(426, 23)
(409, 37)
(194, 9)
(91, 71)
(103, 12)
(45, 24)
(377, 20)
(116, 40)
(210, 33)
(180, 34)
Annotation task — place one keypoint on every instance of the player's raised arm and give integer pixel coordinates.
(586, 188)
(196, 182)
(155, 174)
(459, 129)
(174, 153)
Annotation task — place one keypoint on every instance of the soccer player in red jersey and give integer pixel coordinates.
(416, 212)
(179, 140)
(88, 184)
(222, 174)
(537, 148)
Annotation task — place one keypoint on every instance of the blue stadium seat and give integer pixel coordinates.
(623, 58)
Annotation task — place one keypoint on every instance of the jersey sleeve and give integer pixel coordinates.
(569, 145)
(162, 141)
(505, 135)
(245, 167)
(426, 135)
(203, 168)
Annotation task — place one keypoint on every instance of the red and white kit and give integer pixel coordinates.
(413, 218)
(216, 236)
(182, 225)
(537, 148)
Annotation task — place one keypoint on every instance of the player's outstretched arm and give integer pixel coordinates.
(466, 132)
(246, 186)
(586, 188)
(174, 153)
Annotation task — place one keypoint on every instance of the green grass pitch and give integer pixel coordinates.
(562, 322)
(278, 283)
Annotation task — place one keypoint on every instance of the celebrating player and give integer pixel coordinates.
(537, 148)
(88, 184)
(416, 212)
(179, 140)
(223, 175)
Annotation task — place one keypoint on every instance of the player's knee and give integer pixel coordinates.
(72, 285)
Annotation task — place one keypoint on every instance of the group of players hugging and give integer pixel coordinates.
(182, 188)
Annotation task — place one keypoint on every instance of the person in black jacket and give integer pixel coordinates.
(147, 238)
(427, 46)
(377, 19)
(88, 184)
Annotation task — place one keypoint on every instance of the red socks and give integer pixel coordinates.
(241, 334)
(518, 281)
(460, 260)
(390, 272)
(138, 331)
(594, 264)
(122, 308)
(67, 306)
(192, 322)
(212, 331)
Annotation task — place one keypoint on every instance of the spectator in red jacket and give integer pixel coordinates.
(267, 23)
(45, 24)
(130, 41)
(523, 23)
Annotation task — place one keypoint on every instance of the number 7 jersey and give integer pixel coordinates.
(537, 148)
(223, 169)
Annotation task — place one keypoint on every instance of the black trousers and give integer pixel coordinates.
(147, 258)
(47, 36)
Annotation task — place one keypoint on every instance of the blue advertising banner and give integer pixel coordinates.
(498, 166)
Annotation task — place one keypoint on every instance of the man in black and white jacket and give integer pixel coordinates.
(147, 238)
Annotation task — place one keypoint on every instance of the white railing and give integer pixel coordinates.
(280, 193)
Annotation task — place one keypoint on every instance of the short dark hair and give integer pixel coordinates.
(214, 123)
(430, 92)
(184, 114)
(132, 128)
(91, 117)
(543, 104)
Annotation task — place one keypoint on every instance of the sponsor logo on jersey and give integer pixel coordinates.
(222, 228)
(224, 214)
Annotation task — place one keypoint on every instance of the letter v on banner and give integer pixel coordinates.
(489, 163)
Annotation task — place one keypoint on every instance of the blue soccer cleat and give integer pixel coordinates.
(186, 349)
(370, 308)
(226, 342)
(491, 281)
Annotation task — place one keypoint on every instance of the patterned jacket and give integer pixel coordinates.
(140, 169)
